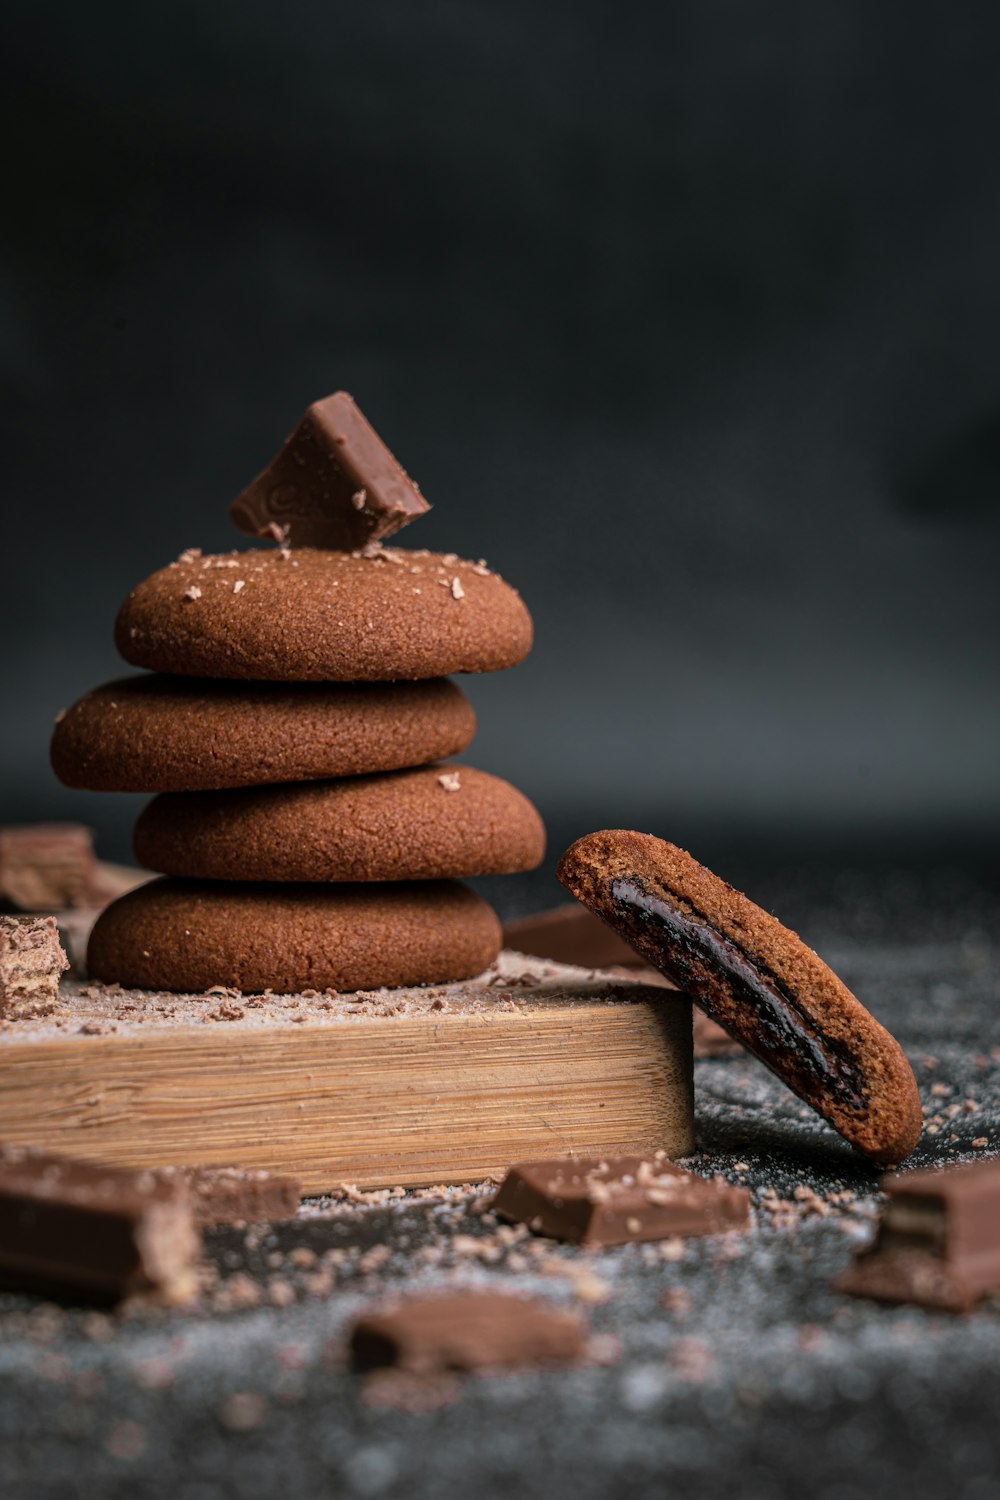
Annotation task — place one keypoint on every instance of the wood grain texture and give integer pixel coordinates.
(375, 1100)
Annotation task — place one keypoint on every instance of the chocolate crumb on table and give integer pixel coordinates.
(99, 1232)
(31, 963)
(613, 1201)
(938, 1243)
(467, 1330)
(334, 484)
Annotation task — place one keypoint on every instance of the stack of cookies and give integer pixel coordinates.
(293, 724)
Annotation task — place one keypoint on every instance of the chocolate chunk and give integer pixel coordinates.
(47, 867)
(333, 485)
(571, 934)
(593, 1201)
(467, 1330)
(938, 1243)
(757, 979)
(73, 1227)
(31, 963)
(235, 1195)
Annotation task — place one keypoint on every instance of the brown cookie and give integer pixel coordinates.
(428, 824)
(185, 936)
(755, 978)
(181, 734)
(311, 616)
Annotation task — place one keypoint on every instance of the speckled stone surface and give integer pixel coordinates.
(724, 1367)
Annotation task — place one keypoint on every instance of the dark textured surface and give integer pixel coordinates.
(741, 1370)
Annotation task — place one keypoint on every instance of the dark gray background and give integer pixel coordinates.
(684, 315)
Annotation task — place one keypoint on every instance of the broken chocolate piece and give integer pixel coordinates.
(333, 485)
(47, 867)
(571, 934)
(31, 964)
(595, 1202)
(235, 1195)
(73, 1227)
(757, 979)
(467, 1330)
(938, 1242)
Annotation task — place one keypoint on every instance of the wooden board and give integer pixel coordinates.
(395, 1087)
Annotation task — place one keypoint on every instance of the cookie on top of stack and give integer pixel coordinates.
(293, 724)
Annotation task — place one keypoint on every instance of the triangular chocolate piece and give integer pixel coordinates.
(333, 485)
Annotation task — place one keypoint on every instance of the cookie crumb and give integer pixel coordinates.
(457, 591)
(192, 593)
(450, 781)
(358, 499)
(243, 1411)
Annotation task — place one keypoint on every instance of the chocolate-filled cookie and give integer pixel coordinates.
(184, 936)
(427, 824)
(154, 733)
(312, 616)
(755, 978)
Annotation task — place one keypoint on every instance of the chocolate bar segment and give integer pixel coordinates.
(938, 1243)
(594, 1202)
(47, 867)
(333, 485)
(73, 1227)
(467, 1330)
(234, 1195)
(570, 934)
(31, 964)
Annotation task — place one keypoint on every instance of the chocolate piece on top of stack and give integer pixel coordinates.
(295, 729)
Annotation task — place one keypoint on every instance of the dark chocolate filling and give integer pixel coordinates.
(780, 1028)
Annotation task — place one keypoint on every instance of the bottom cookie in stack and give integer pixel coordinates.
(346, 884)
(191, 936)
